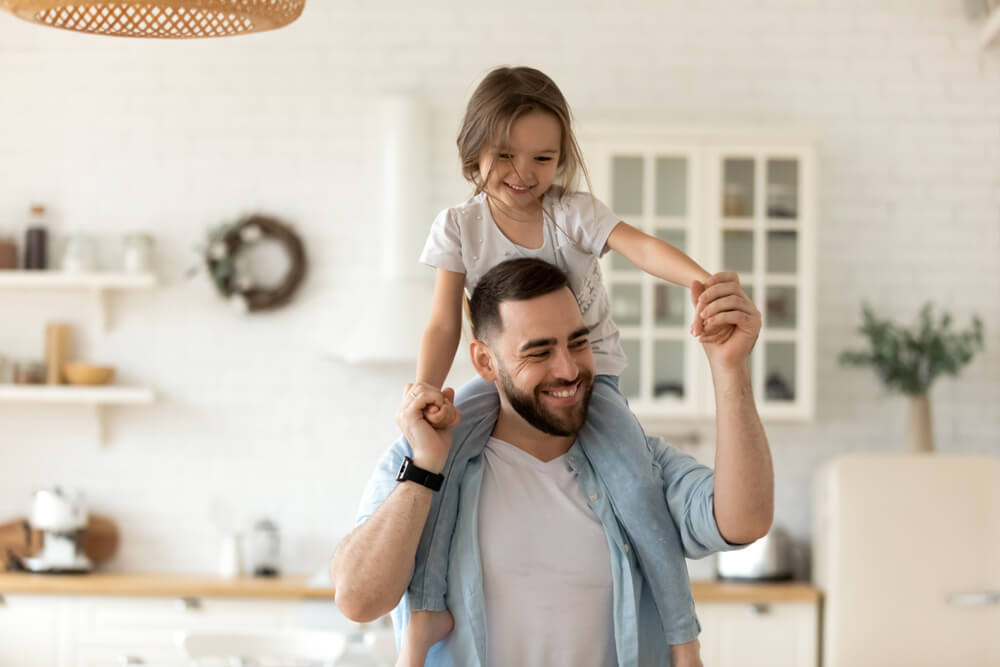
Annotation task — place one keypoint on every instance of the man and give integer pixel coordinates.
(539, 571)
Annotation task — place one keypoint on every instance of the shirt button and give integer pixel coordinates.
(479, 217)
(572, 459)
(626, 548)
(593, 496)
(475, 258)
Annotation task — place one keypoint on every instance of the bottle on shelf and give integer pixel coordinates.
(36, 244)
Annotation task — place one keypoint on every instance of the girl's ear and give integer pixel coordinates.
(482, 360)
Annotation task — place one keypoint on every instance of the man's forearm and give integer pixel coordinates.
(744, 476)
(372, 566)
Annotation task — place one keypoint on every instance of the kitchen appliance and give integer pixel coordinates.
(767, 559)
(907, 553)
(61, 516)
(265, 549)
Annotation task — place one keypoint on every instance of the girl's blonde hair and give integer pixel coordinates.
(503, 96)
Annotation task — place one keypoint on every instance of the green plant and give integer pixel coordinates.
(908, 361)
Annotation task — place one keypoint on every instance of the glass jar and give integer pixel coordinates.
(137, 253)
(29, 372)
(80, 253)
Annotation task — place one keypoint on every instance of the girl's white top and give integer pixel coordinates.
(465, 239)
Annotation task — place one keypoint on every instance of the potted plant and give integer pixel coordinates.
(909, 360)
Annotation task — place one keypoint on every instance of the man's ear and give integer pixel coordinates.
(482, 360)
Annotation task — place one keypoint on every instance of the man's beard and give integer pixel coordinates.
(532, 411)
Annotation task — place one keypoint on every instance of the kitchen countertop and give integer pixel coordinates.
(162, 585)
(296, 587)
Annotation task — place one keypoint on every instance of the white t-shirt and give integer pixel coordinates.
(546, 565)
(465, 239)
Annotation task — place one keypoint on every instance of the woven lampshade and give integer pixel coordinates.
(170, 19)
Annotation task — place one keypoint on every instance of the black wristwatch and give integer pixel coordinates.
(409, 472)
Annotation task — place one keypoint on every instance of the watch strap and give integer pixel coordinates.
(411, 472)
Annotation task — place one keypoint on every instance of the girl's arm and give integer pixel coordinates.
(444, 329)
(655, 256)
(658, 258)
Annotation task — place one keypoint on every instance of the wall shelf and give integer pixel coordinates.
(98, 283)
(97, 398)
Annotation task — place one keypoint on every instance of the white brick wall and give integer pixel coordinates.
(115, 135)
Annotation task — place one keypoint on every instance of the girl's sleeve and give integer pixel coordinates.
(589, 222)
(443, 248)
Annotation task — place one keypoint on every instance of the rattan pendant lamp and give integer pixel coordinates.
(168, 19)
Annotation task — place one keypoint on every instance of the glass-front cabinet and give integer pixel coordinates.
(744, 206)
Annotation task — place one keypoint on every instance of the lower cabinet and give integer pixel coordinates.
(763, 634)
(31, 631)
(65, 631)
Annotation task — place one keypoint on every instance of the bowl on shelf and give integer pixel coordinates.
(81, 374)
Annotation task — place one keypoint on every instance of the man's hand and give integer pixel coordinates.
(430, 442)
(730, 319)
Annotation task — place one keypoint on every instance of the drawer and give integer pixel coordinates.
(104, 620)
(129, 654)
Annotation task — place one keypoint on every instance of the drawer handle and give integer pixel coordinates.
(190, 604)
(760, 608)
(977, 599)
(127, 660)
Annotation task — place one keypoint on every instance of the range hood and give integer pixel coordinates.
(396, 310)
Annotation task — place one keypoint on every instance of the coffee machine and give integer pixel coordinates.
(61, 516)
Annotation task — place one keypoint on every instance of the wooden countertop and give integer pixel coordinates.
(162, 585)
(292, 587)
(755, 592)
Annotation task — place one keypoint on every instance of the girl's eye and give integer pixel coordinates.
(505, 156)
(543, 159)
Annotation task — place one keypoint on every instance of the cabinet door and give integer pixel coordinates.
(31, 631)
(653, 187)
(761, 217)
(759, 635)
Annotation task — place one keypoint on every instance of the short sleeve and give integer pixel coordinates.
(443, 248)
(689, 488)
(588, 222)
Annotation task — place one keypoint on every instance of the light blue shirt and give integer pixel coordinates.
(689, 489)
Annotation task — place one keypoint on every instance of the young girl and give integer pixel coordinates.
(518, 150)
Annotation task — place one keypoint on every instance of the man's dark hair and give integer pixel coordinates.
(513, 280)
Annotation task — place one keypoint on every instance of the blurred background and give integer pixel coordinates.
(888, 112)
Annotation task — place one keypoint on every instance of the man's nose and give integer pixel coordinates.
(564, 365)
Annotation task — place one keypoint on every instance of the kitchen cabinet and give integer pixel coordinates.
(733, 201)
(759, 634)
(28, 626)
(109, 631)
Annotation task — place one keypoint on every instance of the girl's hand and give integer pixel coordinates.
(430, 443)
(731, 320)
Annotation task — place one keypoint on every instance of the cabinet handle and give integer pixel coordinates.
(760, 608)
(977, 599)
(127, 660)
(190, 603)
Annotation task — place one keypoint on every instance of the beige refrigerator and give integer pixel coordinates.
(907, 553)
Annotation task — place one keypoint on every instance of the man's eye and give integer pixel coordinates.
(538, 355)
(583, 342)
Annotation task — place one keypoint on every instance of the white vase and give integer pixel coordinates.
(919, 431)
